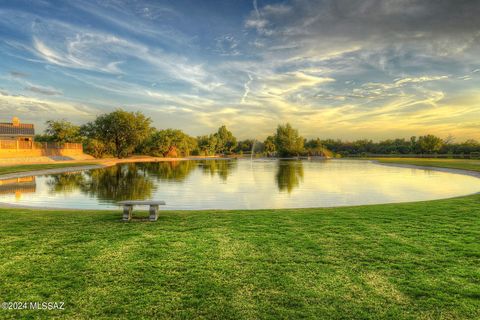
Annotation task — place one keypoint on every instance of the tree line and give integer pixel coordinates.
(426, 145)
(121, 134)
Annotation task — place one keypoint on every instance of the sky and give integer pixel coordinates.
(373, 69)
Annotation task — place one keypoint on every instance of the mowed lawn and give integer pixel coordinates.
(402, 261)
(32, 167)
(465, 164)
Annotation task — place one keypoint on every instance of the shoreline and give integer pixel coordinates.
(441, 169)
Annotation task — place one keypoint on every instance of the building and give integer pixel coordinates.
(16, 131)
(17, 141)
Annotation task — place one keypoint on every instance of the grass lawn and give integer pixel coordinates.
(465, 164)
(399, 261)
(32, 167)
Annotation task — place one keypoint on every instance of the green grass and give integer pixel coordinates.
(32, 167)
(399, 261)
(473, 165)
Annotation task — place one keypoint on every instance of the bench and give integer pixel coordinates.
(128, 208)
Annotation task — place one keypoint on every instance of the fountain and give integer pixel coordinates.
(253, 149)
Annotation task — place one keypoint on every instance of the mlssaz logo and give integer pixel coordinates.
(47, 305)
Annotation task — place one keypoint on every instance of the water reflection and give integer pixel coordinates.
(18, 186)
(134, 181)
(168, 171)
(240, 184)
(125, 182)
(118, 183)
(222, 168)
(289, 175)
(65, 182)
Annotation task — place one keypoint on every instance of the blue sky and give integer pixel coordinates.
(335, 69)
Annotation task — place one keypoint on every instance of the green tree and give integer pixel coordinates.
(429, 144)
(95, 147)
(245, 145)
(226, 142)
(269, 145)
(207, 144)
(288, 142)
(120, 131)
(315, 148)
(161, 142)
(62, 131)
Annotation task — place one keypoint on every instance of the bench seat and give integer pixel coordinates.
(142, 203)
(128, 208)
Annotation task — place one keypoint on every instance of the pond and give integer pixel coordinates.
(238, 184)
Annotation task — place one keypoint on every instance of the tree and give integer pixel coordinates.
(62, 131)
(161, 142)
(120, 131)
(245, 145)
(226, 142)
(315, 148)
(96, 148)
(288, 142)
(429, 144)
(207, 144)
(413, 144)
(269, 144)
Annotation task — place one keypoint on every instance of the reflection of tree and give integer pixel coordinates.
(221, 167)
(65, 182)
(133, 181)
(289, 175)
(169, 170)
(117, 183)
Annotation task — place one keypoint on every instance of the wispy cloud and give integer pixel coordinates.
(334, 68)
(247, 88)
(49, 91)
(38, 110)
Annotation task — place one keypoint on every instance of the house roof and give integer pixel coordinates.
(22, 129)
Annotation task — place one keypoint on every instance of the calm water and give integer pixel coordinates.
(238, 184)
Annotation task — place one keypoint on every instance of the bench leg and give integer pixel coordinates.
(153, 213)
(127, 212)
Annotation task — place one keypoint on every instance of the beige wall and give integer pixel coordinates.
(21, 153)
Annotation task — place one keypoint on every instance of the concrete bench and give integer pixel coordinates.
(128, 208)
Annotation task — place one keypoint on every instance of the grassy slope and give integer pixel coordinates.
(31, 167)
(443, 163)
(399, 261)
